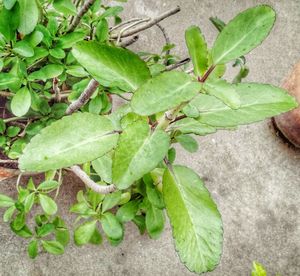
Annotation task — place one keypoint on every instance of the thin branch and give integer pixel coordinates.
(178, 64)
(8, 161)
(91, 184)
(84, 97)
(129, 27)
(56, 90)
(167, 39)
(148, 25)
(124, 23)
(82, 11)
(129, 41)
(63, 94)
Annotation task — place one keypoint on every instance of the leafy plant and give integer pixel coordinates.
(61, 62)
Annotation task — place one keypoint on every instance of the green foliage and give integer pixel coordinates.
(189, 205)
(47, 67)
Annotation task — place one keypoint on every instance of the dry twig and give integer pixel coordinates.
(84, 97)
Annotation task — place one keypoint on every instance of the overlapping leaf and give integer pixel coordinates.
(137, 153)
(112, 66)
(164, 92)
(75, 139)
(257, 102)
(195, 219)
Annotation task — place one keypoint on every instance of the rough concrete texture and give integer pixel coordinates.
(253, 176)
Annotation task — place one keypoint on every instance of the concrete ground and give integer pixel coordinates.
(253, 176)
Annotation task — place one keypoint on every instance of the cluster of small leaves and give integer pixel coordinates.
(130, 149)
(142, 204)
(50, 232)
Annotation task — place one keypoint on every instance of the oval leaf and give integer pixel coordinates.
(111, 227)
(48, 204)
(197, 46)
(164, 92)
(112, 66)
(47, 72)
(6, 201)
(258, 101)
(29, 16)
(21, 102)
(84, 232)
(138, 152)
(75, 139)
(195, 219)
(243, 33)
(53, 247)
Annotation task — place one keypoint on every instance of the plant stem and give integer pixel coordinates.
(149, 24)
(82, 11)
(169, 117)
(167, 39)
(56, 90)
(91, 184)
(208, 72)
(178, 64)
(84, 97)
(128, 42)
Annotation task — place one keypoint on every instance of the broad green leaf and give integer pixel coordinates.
(103, 167)
(29, 201)
(258, 270)
(224, 91)
(153, 195)
(32, 249)
(9, 22)
(6, 201)
(68, 40)
(111, 200)
(7, 79)
(12, 131)
(29, 16)
(45, 230)
(190, 125)
(111, 226)
(197, 47)
(47, 72)
(258, 101)
(48, 204)
(2, 126)
(95, 105)
(102, 31)
(48, 185)
(96, 237)
(128, 211)
(187, 142)
(21, 102)
(62, 235)
(19, 222)
(243, 33)
(66, 7)
(155, 221)
(53, 247)
(23, 48)
(24, 232)
(139, 221)
(112, 11)
(57, 52)
(34, 38)
(138, 152)
(84, 232)
(8, 4)
(112, 66)
(75, 139)
(195, 219)
(9, 213)
(164, 92)
(76, 71)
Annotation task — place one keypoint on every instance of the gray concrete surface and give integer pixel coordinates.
(253, 176)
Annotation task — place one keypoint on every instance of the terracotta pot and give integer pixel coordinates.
(289, 123)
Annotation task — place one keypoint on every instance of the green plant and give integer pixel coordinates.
(60, 58)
